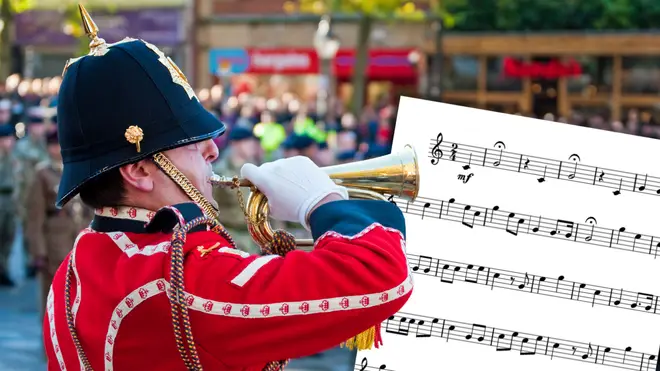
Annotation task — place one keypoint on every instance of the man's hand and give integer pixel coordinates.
(294, 187)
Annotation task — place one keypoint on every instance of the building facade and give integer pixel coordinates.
(602, 73)
(44, 43)
(255, 40)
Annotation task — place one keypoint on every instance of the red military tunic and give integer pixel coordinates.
(245, 311)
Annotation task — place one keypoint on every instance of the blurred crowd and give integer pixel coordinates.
(259, 129)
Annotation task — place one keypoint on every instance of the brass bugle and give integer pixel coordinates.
(396, 174)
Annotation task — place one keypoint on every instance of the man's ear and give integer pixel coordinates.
(139, 175)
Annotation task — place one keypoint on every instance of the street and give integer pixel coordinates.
(20, 330)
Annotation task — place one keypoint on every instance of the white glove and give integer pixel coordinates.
(293, 187)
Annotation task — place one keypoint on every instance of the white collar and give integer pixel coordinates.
(126, 212)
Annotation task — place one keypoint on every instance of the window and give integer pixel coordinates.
(641, 75)
(460, 73)
(596, 76)
(497, 79)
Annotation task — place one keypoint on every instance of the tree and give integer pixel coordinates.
(368, 12)
(8, 8)
(556, 15)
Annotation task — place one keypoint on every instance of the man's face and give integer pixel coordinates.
(194, 161)
(7, 143)
(247, 149)
(54, 151)
(5, 115)
(37, 130)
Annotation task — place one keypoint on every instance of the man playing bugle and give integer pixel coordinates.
(155, 283)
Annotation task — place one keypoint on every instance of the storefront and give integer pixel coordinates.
(606, 74)
(41, 35)
(274, 71)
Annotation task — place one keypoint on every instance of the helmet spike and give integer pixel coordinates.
(97, 46)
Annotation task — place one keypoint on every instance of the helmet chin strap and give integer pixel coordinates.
(193, 193)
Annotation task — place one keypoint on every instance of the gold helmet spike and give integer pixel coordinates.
(97, 46)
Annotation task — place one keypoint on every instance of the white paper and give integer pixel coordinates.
(609, 258)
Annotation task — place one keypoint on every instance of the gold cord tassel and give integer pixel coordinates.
(363, 341)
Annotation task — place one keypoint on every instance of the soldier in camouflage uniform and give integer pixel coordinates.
(8, 199)
(30, 150)
(51, 232)
(243, 148)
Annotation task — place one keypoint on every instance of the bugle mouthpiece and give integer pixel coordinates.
(225, 181)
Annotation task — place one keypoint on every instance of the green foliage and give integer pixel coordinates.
(550, 15)
(376, 9)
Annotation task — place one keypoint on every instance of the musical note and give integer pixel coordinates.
(500, 145)
(576, 159)
(426, 206)
(402, 326)
(422, 331)
(625, 353)
(481, 330)
(469, 268)
(474, 215)
(467, 167)
(647, 303)
(592, 221)
(504, 340)
(517, 224)
(542, 179)
(364, 364)
(537, 284)
(618, 191)
(617, 180)
(425, 262)
(453, 274)
(567, 227)
(513, 223)
(436, 152)
(643, 186)
(525, 341)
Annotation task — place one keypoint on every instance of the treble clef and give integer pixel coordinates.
(364, 364)
(436, 152)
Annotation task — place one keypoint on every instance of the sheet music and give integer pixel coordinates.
(533, 245)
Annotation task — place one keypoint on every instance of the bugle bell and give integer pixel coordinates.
(396, 174)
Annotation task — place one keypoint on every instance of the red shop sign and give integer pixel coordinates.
(550, 70)
(282, 61)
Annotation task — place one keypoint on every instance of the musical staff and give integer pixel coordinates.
(542, 168)
(503, 340)
(515, 223)
(450, 272)
(364, 365)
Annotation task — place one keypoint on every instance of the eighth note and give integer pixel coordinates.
(465, 178)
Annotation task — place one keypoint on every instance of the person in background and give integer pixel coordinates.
(346, 156)
(243, 148)
(30, 150)
(307, 146)
(5, 112)
(9, 170)
(271, 134)
(289, 146)
(324, 155)
(51, 232)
